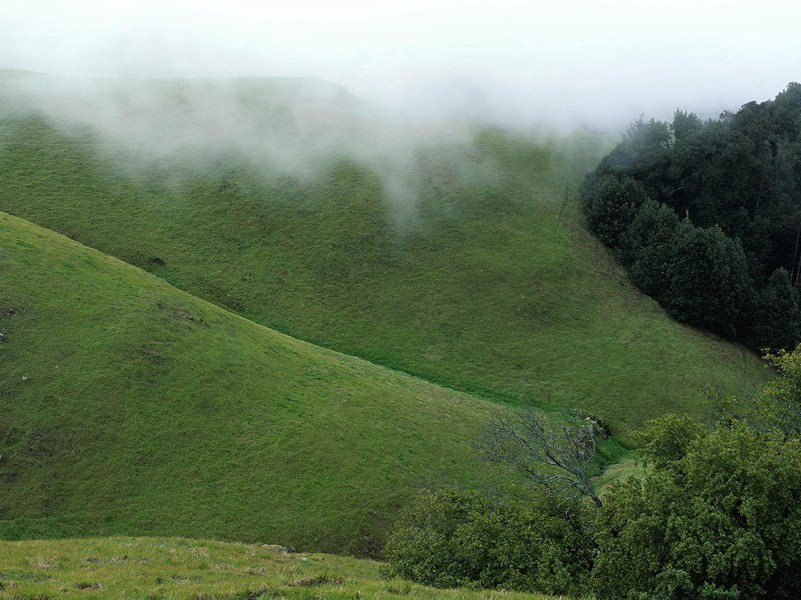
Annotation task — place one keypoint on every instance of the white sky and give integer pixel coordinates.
(598, 62)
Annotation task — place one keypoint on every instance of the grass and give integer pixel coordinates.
(180, 568)
(127, 406)
(485, 280)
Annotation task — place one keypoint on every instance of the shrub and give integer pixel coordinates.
(454, 538)
(717, 517)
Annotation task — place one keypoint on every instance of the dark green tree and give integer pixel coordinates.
(685, 124)
(777, 321)
(707, 279)
(611, 205)
(648, 247)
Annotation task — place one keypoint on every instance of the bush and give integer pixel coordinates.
(454, 538)
(717, 517)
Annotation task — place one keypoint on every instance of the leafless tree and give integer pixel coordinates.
(553, 454)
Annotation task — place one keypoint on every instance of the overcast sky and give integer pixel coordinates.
(599, 63)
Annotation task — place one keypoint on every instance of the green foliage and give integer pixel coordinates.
(733, 264)
(685, 124)
(667, 439)
(648, 247)
(454, 538)
(778, 318)
(707, 279)
(784, 392)
(718, 519)
(610, 207)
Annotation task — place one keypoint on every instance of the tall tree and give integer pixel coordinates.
(777, 322)
(707, 278)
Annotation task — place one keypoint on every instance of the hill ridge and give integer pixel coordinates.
(130, 406)
(232, 314)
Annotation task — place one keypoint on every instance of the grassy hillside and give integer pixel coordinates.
(179, 568)
(129, 406)
(469, 266)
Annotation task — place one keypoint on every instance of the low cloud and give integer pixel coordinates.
(377, 81)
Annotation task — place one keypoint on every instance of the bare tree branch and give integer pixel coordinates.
(553, 455)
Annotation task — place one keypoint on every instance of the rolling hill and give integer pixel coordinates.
(127, 405)
(459, 257)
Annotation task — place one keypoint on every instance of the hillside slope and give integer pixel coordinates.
(467, 265)
(129, 406)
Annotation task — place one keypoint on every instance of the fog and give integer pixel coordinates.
(372, 81)
(515, 63)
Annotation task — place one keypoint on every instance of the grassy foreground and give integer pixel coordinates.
(128, 406)
(483, 279)
(180, 568)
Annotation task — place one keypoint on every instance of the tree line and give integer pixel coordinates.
(706, 216)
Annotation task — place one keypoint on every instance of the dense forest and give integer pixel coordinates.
(706, 215)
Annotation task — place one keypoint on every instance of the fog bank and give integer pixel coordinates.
(515, 63)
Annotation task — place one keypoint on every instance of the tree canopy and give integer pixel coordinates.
(707, 217)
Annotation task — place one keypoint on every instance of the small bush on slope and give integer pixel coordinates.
(454, 538)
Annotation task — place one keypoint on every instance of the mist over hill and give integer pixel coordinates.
(454, 254)
(481, 290)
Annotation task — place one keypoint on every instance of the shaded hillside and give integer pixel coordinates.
(466, 264)
(129, 406)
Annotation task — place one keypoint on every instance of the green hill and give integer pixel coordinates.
(127, 406)
(180, 568)
(463, 261)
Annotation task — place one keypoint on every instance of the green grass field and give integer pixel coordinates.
(182, 402)
(180, 568)
(485, 280)
(129, 406)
